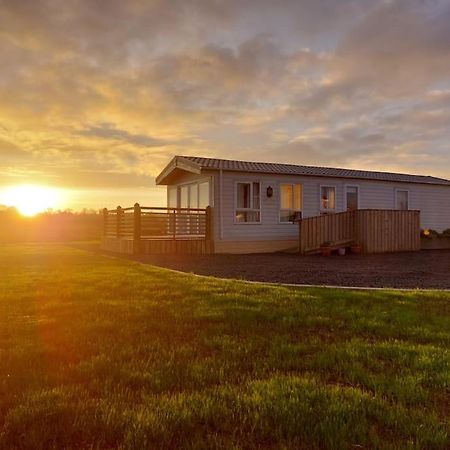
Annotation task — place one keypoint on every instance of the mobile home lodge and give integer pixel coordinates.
(228, 206)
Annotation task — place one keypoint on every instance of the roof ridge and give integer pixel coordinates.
(316, 167)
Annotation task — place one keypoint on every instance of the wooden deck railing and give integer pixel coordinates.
(377, 230)
(145, 222)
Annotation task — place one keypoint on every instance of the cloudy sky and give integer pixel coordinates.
(96, 96)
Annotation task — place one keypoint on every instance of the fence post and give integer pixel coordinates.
(174, 224)
(300, 249)
(137, 229)
(105, 222)
(119, 220)
(209, 231)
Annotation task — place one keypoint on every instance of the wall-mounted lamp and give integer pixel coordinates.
(269, 191)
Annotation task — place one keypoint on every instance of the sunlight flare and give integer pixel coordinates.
(31, 199)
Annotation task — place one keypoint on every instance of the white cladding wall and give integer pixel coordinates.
(432, 201)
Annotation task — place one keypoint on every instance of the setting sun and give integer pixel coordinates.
(30, 199)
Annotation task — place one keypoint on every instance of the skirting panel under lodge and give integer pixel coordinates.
(176, 247)
(158, 246)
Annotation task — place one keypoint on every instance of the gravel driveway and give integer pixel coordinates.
(424, 269)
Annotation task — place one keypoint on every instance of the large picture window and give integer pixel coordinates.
(248, 202)
(184, 197)
(290, 202)
(203, 194)
(172, 196)
(327, 198)
(193, 195)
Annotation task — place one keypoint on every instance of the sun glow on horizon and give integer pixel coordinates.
(30, 199)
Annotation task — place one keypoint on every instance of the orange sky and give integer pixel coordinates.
(95, 100)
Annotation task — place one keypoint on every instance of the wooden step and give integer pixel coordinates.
(334, 246)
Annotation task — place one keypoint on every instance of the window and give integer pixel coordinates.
(203, 195)
(401, 199)
(194, 195)
(351, 197)
(327, 198)
(290, 201)
(248, 202)
(184, 197)
(172, 197)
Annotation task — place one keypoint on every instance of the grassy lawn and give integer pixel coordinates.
(98, 352)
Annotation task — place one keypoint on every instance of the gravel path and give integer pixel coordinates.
(425, 269)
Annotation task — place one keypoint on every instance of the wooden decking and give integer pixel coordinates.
(157, 230)
(377, 230)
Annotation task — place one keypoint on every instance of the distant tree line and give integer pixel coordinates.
(50, 226)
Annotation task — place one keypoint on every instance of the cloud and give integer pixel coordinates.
(399, 48)
(90, 93)
(10, 152)
(109, 131)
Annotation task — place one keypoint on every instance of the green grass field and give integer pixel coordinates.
(98, 352)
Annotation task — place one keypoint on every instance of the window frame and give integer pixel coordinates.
(236, 209)
(188, 185)
(327, 210)
(188, 195)
(210, 191)
(397, 190)
(177, 196)
(283, 209)
(357, 186)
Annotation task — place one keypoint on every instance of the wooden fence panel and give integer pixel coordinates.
(378, 231)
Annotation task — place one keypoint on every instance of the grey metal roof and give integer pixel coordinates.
(291, 169)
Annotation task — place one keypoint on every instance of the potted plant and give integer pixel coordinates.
(325, 248)
(356, 248)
